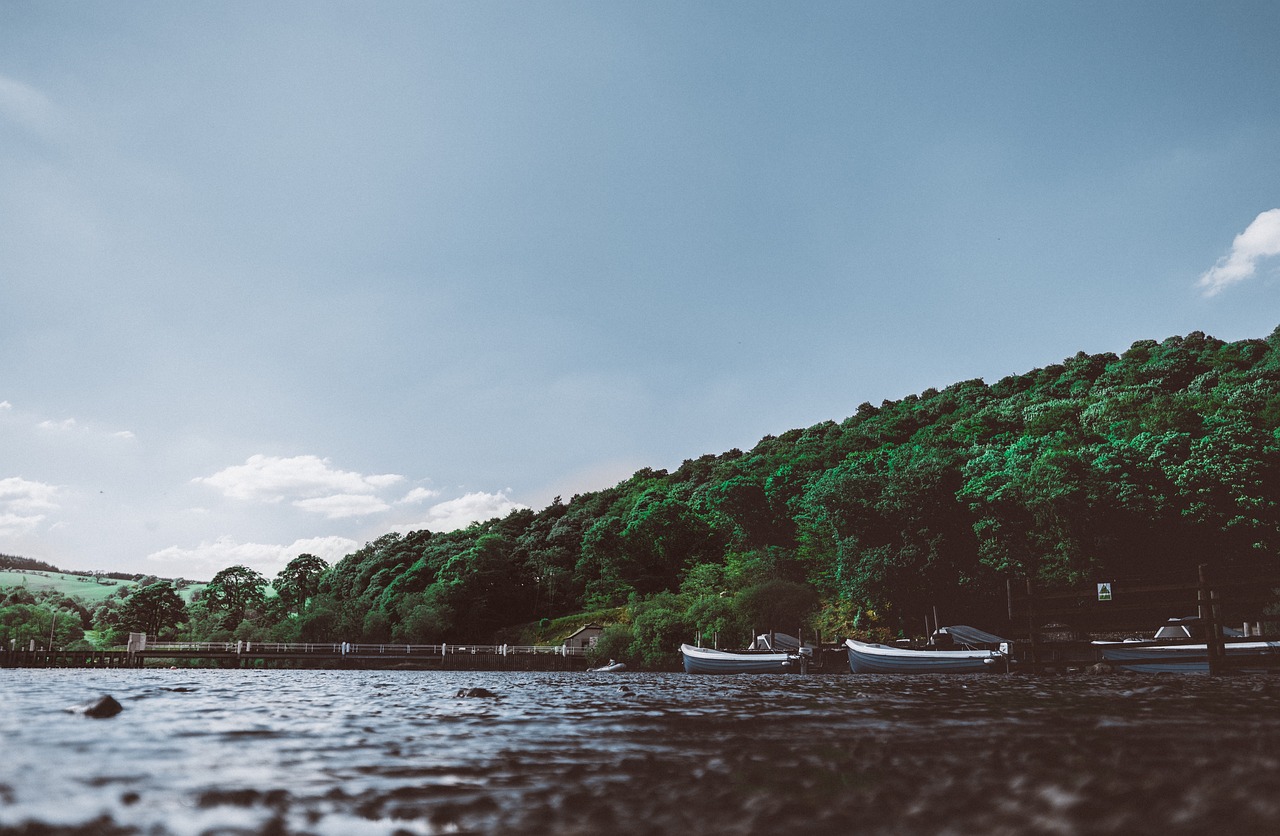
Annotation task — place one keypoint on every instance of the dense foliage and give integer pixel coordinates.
(1142, 464)
(1102, 466)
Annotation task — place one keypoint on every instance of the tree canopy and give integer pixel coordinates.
(1145, 463)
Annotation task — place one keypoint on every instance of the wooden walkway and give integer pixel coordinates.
(68, 659)
(341, 655)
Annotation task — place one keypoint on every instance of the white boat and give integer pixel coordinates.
(767, 660)
(978, 652)
(1180, 647)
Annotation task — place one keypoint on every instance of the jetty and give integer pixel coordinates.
(332, 655)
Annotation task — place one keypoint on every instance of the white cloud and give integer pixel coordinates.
(266, 558)
(23, 503)
(307, 481)
(5, 405)
(26, 106)
(417, 495)
(343, 505)
(71, 425)
(1260, 240)
(461, 512)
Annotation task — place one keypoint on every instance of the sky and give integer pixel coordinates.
(280, 278)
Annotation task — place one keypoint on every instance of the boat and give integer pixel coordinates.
(612, 667)
(773, 653)
(977, 652)
(1180, 646)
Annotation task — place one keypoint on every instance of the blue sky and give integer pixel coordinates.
(283, 277)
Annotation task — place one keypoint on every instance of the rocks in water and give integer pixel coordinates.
(101, 708)
(476, 692)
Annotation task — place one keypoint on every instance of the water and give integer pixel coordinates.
(357, 752)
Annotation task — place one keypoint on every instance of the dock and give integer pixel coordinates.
(331, 655)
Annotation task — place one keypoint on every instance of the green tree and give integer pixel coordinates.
(298, 582)
(151, 609)
(20, 624)
(783, 606)
(233, 592)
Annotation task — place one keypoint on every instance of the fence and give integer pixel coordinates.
(348, 648)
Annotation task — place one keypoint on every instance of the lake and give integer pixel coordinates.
(399, 752)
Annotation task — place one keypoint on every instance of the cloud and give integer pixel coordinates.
(1260, 240)
(5, 405)
(23, 503)
(71, 425)
(417, 495)
(26, 106)
(266, 558)
(343, 505)
(308, 482)
(461, 512)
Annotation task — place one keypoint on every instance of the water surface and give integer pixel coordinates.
(352, 752)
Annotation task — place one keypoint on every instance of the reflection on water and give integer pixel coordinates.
(344, 752)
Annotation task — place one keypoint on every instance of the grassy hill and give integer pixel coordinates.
(87, 589)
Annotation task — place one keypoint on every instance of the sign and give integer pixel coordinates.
(1104, 592)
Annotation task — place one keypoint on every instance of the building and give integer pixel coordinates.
(584, 636)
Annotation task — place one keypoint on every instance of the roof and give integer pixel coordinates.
(963, 634)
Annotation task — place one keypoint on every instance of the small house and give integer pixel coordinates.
(584, 636)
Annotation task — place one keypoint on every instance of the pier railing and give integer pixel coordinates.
(349, 648)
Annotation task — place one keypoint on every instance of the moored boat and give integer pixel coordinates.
(1180, 646)
(978, 652)
(612, 667)
(707, 660)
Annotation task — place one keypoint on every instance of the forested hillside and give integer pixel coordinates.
(1142, 464)
(1100, 467)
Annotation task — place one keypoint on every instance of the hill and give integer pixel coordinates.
(1139, 464)
(87, 588)
(1102, 466)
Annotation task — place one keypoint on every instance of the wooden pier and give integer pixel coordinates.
(340, 655)
(68, 659)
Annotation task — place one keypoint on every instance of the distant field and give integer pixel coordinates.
(75, 586)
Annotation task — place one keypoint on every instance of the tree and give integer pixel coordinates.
(300, 581)
(152, 608)
(233, 592)
(20, 624)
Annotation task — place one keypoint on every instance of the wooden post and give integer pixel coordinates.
(1031, 626)
(1219, 642)
(1212, 632)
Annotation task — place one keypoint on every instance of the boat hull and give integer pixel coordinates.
(878, 658)
(1145, 657)
(616, 667)
(703, 660)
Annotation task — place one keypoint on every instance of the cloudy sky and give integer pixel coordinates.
(283, 277)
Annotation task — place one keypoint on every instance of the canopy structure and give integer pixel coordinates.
(778, 642)
(971, 636)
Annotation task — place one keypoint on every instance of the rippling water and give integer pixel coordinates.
(352, 752)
